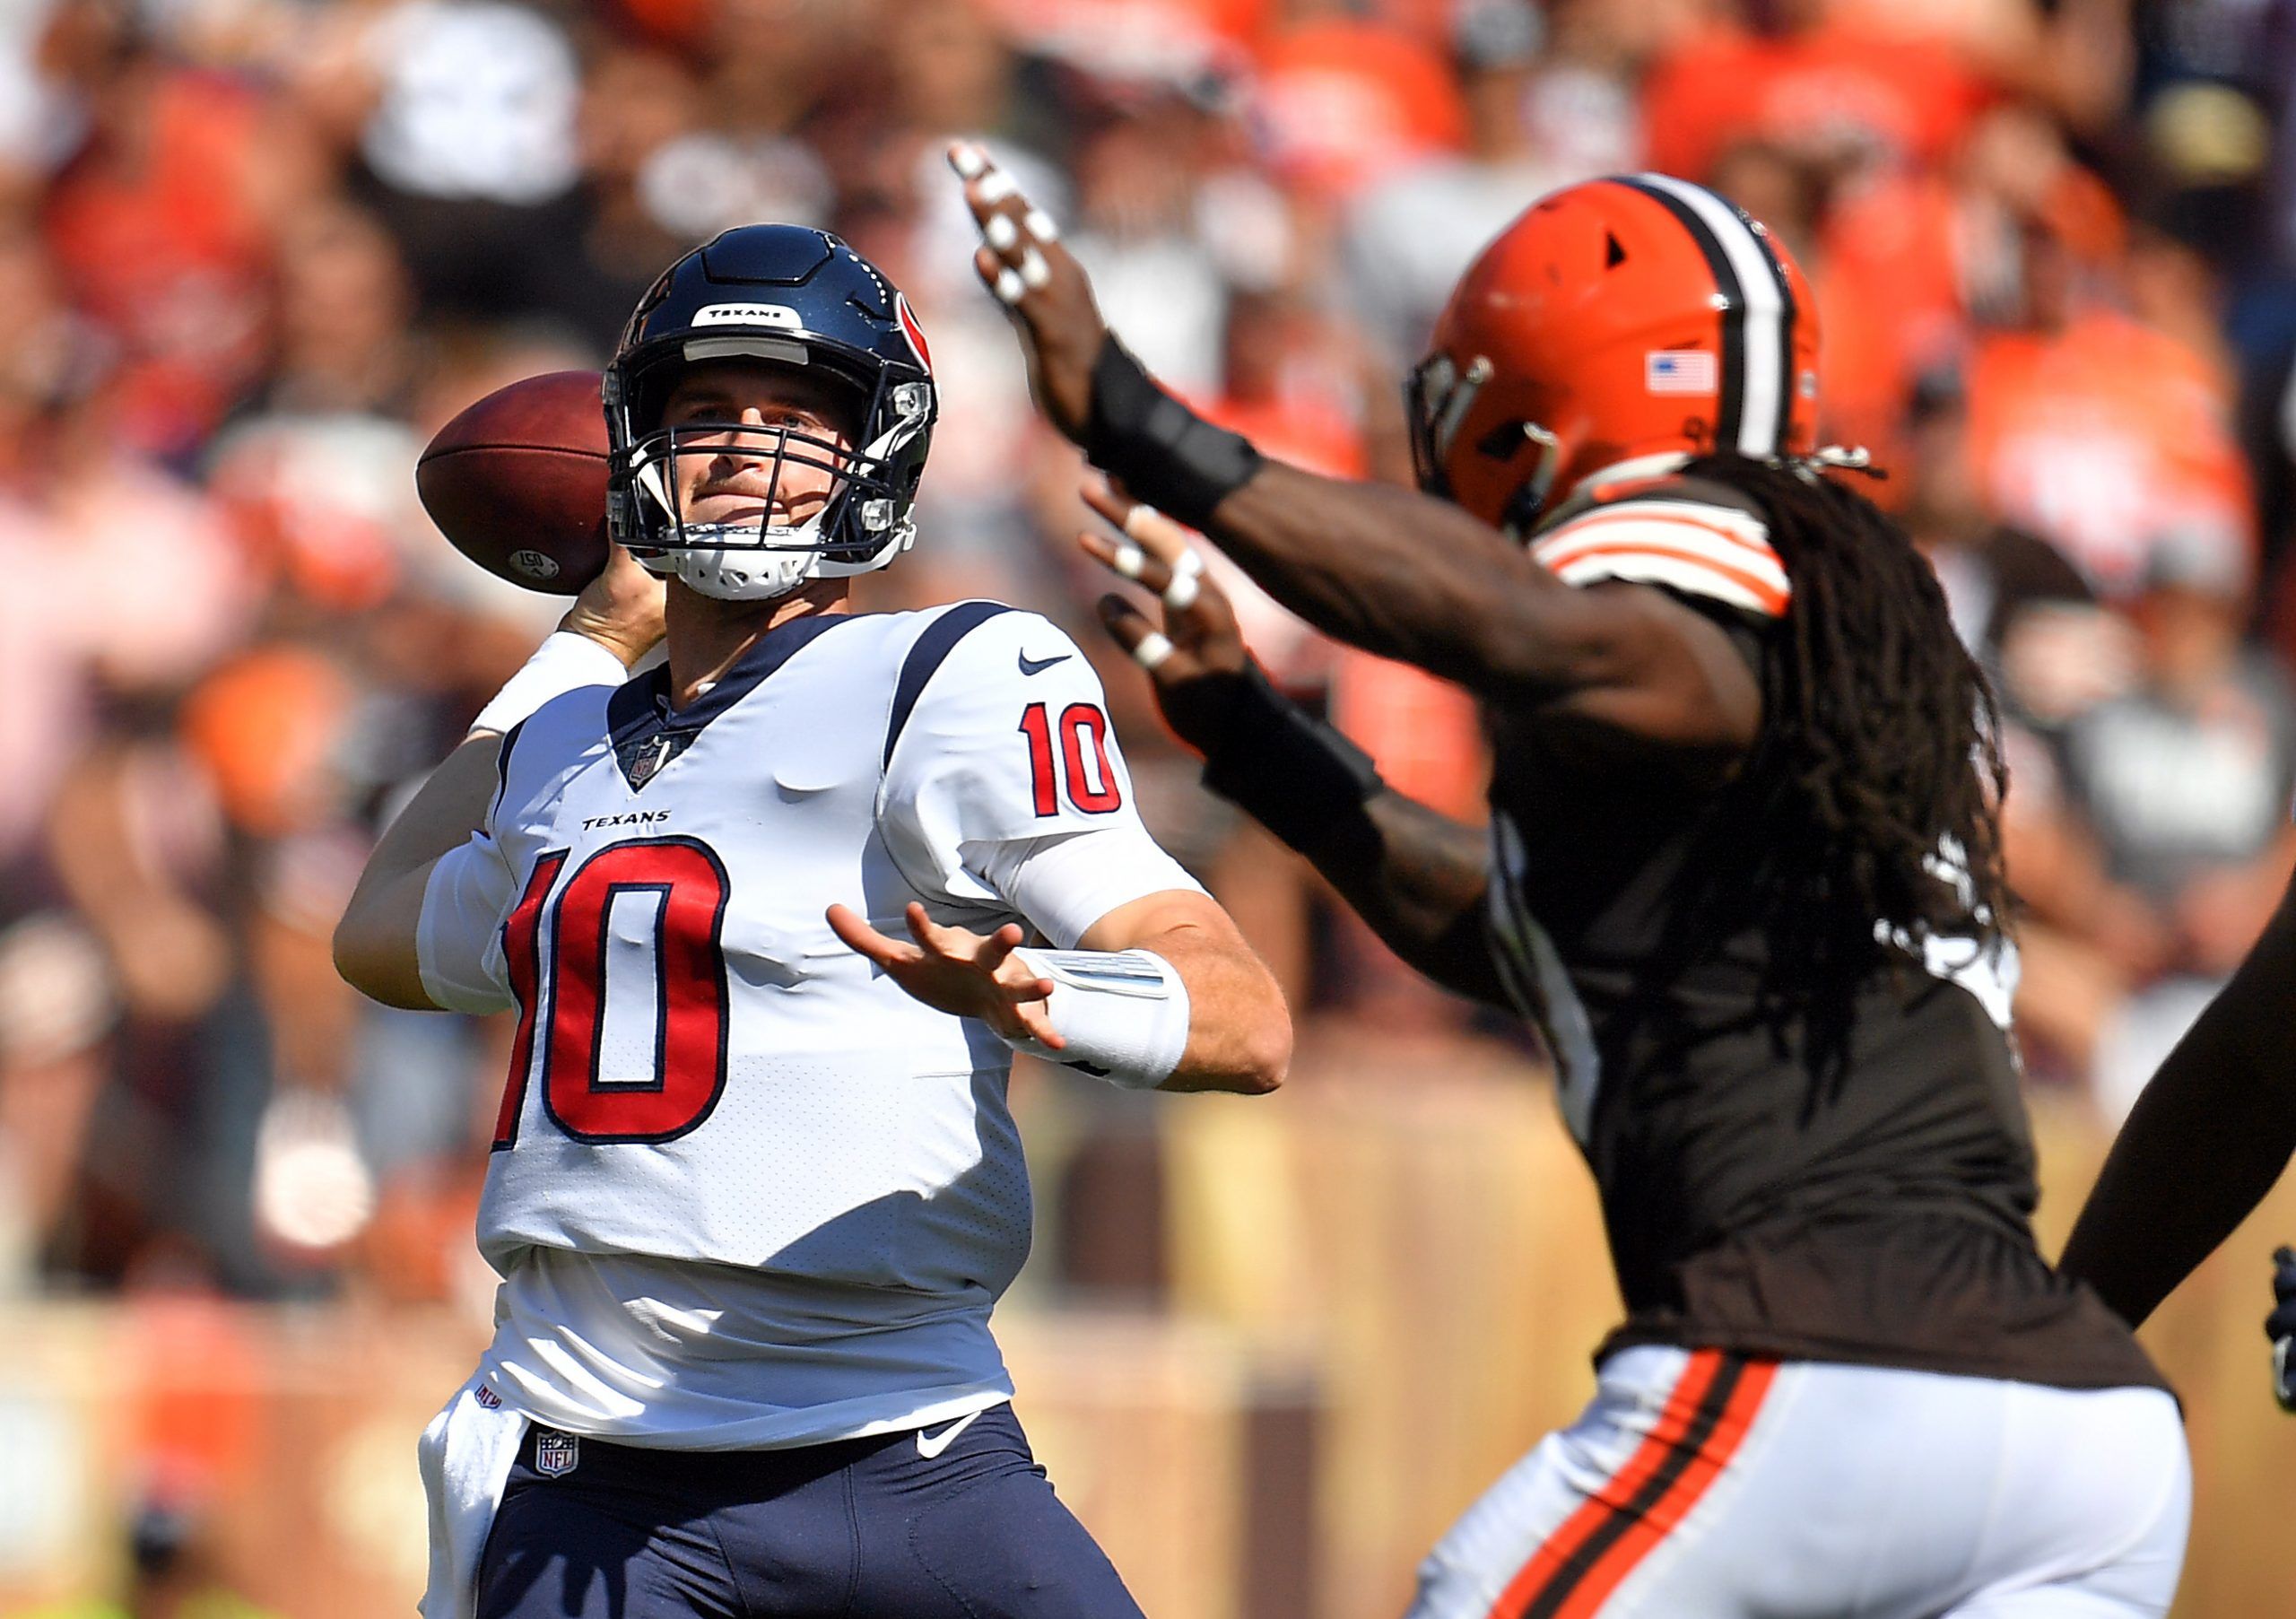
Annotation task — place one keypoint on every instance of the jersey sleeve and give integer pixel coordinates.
(458, 935)
(1004, 789)
(458, 940)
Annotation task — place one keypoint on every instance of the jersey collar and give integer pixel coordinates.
(647, 733)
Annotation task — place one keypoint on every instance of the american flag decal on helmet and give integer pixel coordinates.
(912, 331)
(1678, 372)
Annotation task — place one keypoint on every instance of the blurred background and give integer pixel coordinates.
(253, 252)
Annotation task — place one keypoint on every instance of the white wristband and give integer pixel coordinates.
(564, 662)
(1123, 1012)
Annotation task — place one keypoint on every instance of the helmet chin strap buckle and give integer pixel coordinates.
(1835, 457)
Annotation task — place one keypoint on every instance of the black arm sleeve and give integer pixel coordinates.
(2205, 1141)
(1417, 878)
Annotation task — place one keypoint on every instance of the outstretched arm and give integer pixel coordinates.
(1416, 876)
(1419, 879)
(1404, 575)
(2205, 1141)
(1390, 570)
(1239, 1031)
(1236, 1031)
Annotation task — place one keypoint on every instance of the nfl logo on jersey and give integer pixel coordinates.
(641, 766)
(555, 1454)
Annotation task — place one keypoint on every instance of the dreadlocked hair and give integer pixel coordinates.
(1875, 782)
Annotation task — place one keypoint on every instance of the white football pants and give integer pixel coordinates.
(1702, 1485)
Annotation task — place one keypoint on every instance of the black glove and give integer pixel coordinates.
(2280, 1327)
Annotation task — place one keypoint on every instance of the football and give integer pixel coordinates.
(518, 482)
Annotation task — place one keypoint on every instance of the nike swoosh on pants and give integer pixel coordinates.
(929, 1445)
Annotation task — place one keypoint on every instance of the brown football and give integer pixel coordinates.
(518, 482)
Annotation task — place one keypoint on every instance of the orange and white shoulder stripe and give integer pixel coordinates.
(1711, 551)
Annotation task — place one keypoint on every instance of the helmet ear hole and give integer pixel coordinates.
(1505, 441)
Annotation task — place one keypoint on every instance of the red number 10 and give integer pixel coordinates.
(1092, 790)
(689, 1067)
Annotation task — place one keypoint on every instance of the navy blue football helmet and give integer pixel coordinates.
(792, 296)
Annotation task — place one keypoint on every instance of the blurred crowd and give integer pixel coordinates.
(254, 252)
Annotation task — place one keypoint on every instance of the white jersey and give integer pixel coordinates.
(745, 1191)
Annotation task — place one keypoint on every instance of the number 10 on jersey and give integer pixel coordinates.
(678, 890)
(1084, 750)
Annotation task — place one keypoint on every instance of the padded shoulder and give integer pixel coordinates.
(1694, 536)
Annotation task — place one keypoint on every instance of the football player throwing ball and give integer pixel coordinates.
(761, 912)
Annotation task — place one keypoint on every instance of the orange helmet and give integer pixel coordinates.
(1634, 315)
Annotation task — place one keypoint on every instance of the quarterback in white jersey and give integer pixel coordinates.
(761, 911)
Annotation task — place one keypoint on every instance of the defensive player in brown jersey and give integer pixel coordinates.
(1742, 870)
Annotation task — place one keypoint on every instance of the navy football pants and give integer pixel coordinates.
(866, 1528)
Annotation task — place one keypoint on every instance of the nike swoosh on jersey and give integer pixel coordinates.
(930, 1445)
(1037, 666)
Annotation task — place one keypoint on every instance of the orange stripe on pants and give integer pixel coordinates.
(1693, 1436)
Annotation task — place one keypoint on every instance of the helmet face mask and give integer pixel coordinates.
(777, 296)
(1438, 396)
(857, 523)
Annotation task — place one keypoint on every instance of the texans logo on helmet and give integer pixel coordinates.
(912, 331)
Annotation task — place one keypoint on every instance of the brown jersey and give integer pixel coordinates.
(1869, 1202)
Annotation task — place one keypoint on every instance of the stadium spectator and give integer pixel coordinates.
(462, 117)
(2184, 786)
(159, 220)
(1407, 237)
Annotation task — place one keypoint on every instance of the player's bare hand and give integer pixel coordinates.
(959, 971)
(621, 609)
(1020, 262)
(1193, 649)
